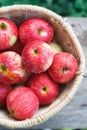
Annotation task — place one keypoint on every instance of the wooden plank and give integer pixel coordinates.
(74, 114)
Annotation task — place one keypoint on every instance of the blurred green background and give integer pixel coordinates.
(72, 8)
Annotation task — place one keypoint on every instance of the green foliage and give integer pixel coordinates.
(63, 7)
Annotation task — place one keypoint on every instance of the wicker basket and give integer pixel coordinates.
(63, 35)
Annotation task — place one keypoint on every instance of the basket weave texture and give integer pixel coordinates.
(69, 42)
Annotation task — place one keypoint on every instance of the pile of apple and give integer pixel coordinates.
(34, 63)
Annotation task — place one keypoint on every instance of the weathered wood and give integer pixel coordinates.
(74, 114)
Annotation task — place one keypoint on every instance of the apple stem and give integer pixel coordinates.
(44, 89)
(3, 67)
(3, 26)
(42, 32)
(65, 69)
(35, 51)
(39, 30)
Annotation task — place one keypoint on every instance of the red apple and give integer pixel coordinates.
(35, 29)
(37, 56)
(22, 103)
(63, 68)
(4, 90)
(8, 33)
(44, 87)
(11, 69)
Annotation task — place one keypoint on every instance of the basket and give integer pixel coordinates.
(69, 42)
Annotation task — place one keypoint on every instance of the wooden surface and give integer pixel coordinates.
(74, 114)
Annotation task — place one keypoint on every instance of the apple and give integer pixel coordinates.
(35, 29)
(22, 103)
(63, 68)
(8, 33)
(55, 47)
(37, 56)
(4, 90)
(11, 68)
(46, 89)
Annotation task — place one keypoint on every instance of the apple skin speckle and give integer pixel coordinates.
(40, 61)
(46, 89)
(63, 68)
(13, 70)
(35, 29)
(22, 103)
(9, 35)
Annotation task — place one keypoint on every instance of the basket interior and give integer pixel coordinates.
(60, 34)
(62, 37)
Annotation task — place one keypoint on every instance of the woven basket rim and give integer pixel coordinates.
(70, 93)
